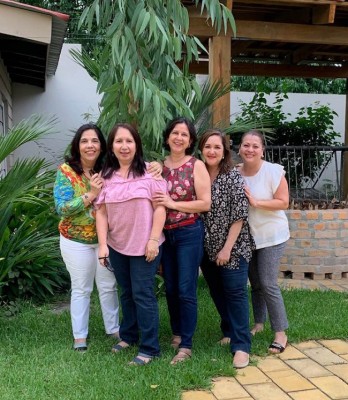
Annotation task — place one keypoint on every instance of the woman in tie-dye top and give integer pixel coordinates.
(77, 184)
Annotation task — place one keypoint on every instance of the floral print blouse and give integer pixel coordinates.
(229, 204)
(77, 222)
(180, 188)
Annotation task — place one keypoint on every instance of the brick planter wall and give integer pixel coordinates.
(318, 247)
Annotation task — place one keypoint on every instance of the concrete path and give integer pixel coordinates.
(313, 370)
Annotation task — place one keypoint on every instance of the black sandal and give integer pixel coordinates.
(276, 346)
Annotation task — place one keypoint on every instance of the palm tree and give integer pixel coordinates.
(30, 260)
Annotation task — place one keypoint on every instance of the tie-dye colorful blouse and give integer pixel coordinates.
(77, 222)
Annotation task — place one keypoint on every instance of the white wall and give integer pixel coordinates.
(69, 94)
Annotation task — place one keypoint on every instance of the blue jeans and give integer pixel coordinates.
(228, 288)
(136, 278)
(182, 254)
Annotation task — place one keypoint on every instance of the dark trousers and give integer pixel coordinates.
(228, 289)
(182, 254)
(136, 278)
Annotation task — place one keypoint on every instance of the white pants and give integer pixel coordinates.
(81, 261)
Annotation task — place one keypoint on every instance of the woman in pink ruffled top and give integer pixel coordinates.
(129, 228)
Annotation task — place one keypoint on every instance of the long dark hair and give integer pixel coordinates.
(112, 164)
(226, 164)
(191, 128)
(74, 159)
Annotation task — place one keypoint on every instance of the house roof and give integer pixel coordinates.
(305, 38)
(31, 40)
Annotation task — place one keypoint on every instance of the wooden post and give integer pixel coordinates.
(220, 70)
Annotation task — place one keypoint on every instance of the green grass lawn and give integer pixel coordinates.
(36, 360)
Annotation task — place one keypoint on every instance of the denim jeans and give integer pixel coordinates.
(136, 278)
(182, 254)
(228, 288)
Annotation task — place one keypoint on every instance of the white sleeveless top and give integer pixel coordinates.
(268, 228)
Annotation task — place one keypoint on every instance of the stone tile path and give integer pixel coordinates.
(313, 370)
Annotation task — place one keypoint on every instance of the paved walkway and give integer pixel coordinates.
(313, 370)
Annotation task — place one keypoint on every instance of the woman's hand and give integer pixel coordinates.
(96, 184)
(103, 254)
(251, 199)
(163, 199)
(155, 168)
(223, 257)
(151, 250)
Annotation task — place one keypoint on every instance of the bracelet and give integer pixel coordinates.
(156, 240)
(85, 196)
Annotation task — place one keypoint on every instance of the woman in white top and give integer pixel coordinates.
(268, 194)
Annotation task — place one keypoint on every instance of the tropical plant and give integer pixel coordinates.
(312, 126)
(135, 61)
(293, 85)
(30, 261)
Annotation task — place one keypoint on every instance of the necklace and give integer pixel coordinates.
(88, 173)
(178, 162)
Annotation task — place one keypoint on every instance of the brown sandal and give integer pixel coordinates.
(183, 355)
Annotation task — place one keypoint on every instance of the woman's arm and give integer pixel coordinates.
(158, 219)
(67, 204)
(202, 189)
(102, 231)
(224, 254)
(280, 199)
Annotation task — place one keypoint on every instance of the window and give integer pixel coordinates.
(3, 164)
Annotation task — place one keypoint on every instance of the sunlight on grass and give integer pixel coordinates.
(37, 362)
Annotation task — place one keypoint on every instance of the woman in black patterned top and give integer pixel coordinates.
(228, 245)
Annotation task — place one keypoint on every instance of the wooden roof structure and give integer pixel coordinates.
(279, 38)
(299, 38)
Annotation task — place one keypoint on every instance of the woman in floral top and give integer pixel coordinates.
(77, 184)
(228, 245)
(189, 195)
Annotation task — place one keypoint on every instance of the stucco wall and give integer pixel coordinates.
(70, 94)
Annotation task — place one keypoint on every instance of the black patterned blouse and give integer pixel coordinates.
(229, 204)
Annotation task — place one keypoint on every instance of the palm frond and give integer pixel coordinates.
(25, 181)
(25, 131)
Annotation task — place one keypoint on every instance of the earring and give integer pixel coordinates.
(223, 157)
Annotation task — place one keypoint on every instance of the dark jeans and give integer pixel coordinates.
(228, 289)
(136, 278)
(182, 254)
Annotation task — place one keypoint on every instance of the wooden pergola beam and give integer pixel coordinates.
(275, 32)
(324, 14)
(275, 70)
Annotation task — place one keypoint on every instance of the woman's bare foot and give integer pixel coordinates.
(224, 341)
(176, 340)
(258, 327)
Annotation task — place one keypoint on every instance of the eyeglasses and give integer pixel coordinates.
(107, 263)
